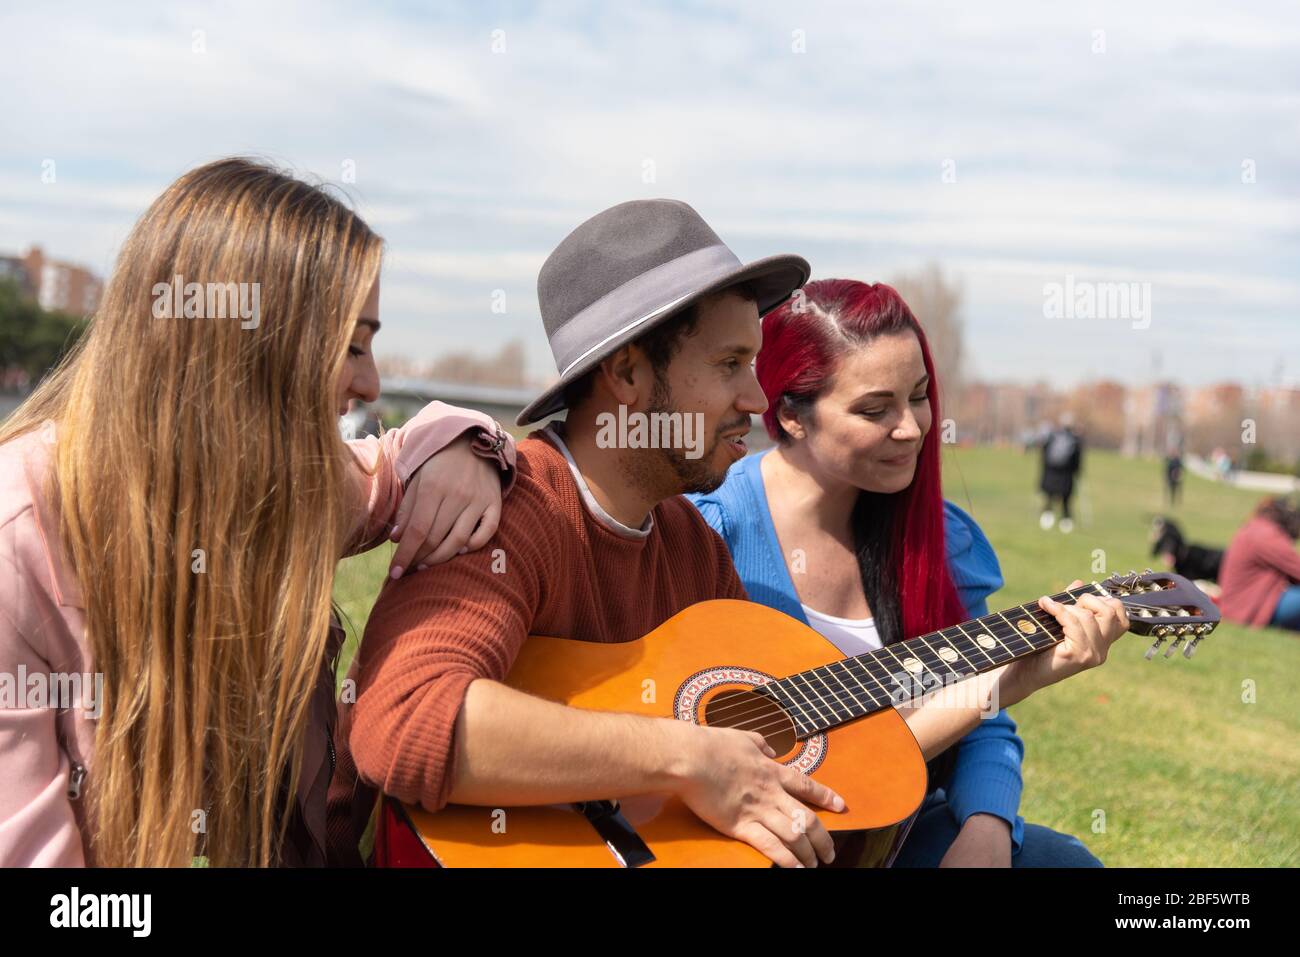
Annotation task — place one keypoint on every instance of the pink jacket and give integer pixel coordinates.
(1260, 563)
(46, 751)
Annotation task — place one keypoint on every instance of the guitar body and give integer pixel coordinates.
(702, 665)
(698, 666)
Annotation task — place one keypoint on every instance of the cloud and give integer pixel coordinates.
(473, 164)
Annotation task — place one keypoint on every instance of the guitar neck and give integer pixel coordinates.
(830, 695)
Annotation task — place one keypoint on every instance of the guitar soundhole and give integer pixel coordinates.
(750, 711)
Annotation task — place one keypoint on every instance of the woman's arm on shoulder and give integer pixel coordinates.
(387, 464)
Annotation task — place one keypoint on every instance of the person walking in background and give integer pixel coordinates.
(1173, 476)
(1062, 460)
(1222, 463)
(1261, 570)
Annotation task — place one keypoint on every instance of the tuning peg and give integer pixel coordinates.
(1151, 652)
(1173, 646)
(1191, 647)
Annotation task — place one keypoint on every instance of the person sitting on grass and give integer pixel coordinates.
(1261, 570)
(647, 312)
(843, 526)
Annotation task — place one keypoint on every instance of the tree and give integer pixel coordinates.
(936, 303)
(506, 368)
(32, 340)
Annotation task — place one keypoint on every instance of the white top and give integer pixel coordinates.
(556, 432)
(852, 636)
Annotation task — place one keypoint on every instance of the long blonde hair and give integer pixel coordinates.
(201, 481)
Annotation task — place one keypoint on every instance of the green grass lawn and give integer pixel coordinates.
(1157, 763)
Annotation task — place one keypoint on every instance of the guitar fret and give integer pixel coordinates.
(994, 635)
(836, 702)
(844, 664)
(817, 708)
(808, 709)
(907, 690)
(787, 703)
(982, 658)
(1047, 626)
(897, 692)
(954, 642)
(835, 695)
(940, 660)
(865, 662)
(859, 707)
(938, 653)
(929, 677)
(1015, 632)
(825, 696)
(975, 644)
(930, 658)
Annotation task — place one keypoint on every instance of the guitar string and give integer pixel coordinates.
(838, 702)
(875, 656)
(927, 663)
(932, 666)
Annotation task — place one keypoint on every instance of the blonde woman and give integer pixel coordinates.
(173, 501)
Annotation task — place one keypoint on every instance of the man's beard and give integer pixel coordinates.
(668, 469)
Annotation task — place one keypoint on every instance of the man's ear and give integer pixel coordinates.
(622, 375)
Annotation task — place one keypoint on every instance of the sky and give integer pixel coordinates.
(1018, 145)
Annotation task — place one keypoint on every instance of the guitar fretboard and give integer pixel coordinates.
(822, 698)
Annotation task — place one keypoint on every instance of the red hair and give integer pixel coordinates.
(804, 341)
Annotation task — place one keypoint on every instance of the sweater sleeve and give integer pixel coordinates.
(429, 636)
(971, 560)
(986, 778)
(386, 463)
(1277, 550)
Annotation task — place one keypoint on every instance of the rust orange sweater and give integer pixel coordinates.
(554, 569)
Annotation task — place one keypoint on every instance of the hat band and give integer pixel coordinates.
(668, 283)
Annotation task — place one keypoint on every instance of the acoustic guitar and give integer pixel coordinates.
(738, 664)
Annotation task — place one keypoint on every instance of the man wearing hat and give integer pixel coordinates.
(653, 322)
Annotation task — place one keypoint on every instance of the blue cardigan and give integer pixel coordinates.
(986, 778)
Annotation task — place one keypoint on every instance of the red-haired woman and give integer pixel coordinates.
(843, 526)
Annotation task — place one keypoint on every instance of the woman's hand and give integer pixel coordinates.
(451, 505)
(983, 841)
(1090, 627)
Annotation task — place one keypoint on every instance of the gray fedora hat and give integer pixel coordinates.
(629, 269)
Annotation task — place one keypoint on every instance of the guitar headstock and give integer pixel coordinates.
(1165, 605)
